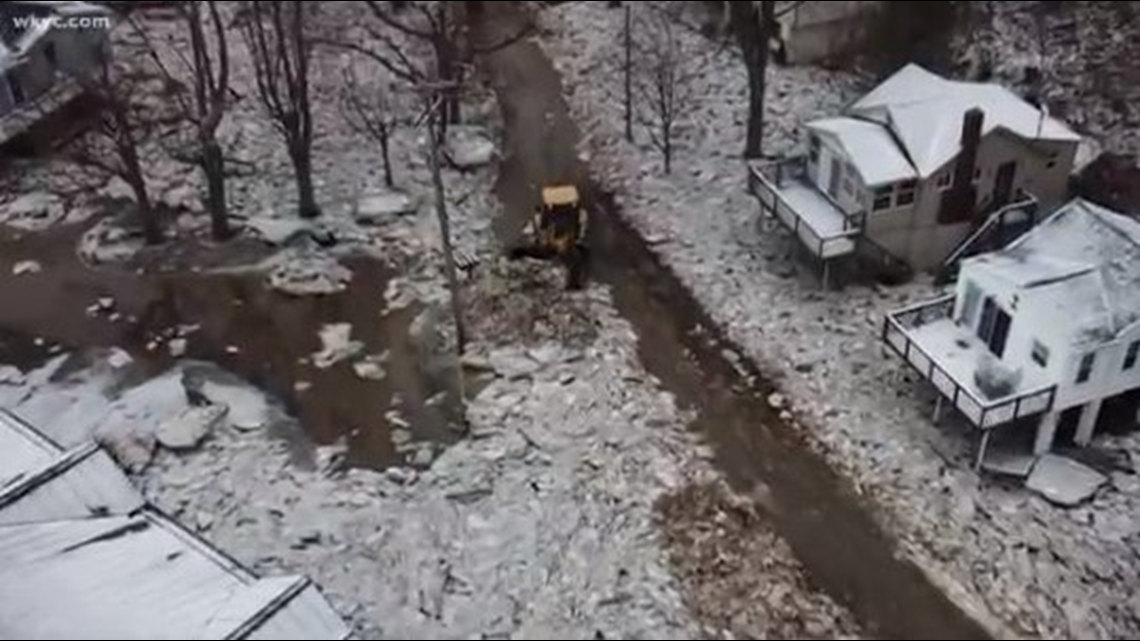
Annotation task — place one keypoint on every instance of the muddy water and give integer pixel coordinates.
(829, 528)
(264, 336)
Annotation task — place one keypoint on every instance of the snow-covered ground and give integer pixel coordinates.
(1079, 56)
(1006, 554)
(543, 523)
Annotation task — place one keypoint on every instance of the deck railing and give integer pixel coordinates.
(983, 413)
(765, 180)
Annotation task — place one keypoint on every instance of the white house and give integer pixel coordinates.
(41, 44)
(920, 168)
(1048, 325)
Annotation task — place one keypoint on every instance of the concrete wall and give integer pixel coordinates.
(819, 30)
(1108, 376)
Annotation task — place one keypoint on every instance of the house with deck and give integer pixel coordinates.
(922, 169)
(1042, 333)
(42, 45)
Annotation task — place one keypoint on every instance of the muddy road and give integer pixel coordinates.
(829, 528)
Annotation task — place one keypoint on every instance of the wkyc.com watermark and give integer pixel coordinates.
(61, 22)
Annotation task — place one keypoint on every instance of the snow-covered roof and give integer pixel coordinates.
(869, 147)
(1091, 255)
(925, 111)
(77, 539)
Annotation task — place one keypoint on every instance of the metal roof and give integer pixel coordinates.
(76, 538)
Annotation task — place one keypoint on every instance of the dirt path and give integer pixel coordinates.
(829, 529)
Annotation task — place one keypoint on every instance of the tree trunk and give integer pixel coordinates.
(213, 166)
(152, 232)
(303, 167)
(667, 146)
(384, 149)
(752, 28)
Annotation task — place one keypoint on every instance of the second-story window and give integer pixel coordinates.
(1084, 372)
(1131, 355)
(813, 149)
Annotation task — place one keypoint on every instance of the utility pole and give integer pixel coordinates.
(435, 103)
(628, 71)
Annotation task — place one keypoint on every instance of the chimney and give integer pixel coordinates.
(958, 201)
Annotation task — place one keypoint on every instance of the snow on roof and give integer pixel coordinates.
(22, 450)
(1092, 255)
(925, 112)
(870, 148)
(75, 537)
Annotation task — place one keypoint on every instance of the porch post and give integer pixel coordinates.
(1085, 428)
(826, 271)
(1046, 430)
(983, 443)
(938, 409)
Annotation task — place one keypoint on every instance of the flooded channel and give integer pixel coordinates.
(236, 321)
(829, 528)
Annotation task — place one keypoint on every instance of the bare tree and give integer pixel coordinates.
(371, 110)
(206, 74)
(664, 79)
(112, 147)
(276, 35)
(440, 27)
(754, 23)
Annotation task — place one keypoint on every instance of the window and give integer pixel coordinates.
(813, 149)
(1040, 354)
(848, 185)
(945, 179)
(1130, 356)
(1084, 372)
(49, 53)
(977, 174)
(906, 193)
(882, 198)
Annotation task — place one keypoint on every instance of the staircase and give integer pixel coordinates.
(999, 229)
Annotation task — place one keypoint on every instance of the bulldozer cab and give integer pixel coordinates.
(560, 219)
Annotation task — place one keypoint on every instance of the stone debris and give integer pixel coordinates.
(309, 274)
(371, 367)
(1064, 481)
(11, 376)
(119, 358)
(177, 347)
(26, 267)
(336, 345)
(469, 147)
(379, 206)
(187, 430)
